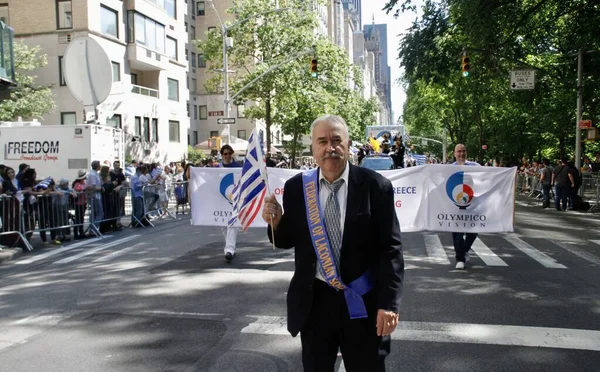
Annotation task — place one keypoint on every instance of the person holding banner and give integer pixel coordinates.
(349, 269)
(462, 241)
(231, 232)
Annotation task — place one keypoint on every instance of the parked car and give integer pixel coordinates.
(377, 162)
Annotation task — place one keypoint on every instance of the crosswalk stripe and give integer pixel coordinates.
(56, 251)
(486, 254)
(435, 250)
(578, 252)
(94, 250)
(115, 254)
(463, 333)
(595, 241)
(540, 257)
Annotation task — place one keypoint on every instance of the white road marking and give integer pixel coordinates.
(486, 254)
(94, 250)
(540, 257)
(115, 254)
(578, 251)
(488, 334)
(595, 241)
(435, 250)
(56, 251)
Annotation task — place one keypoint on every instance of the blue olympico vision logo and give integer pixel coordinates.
(460, 189)
(226, 187)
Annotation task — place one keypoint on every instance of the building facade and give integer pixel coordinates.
(145, 42)
(206, 107)
(376, 42)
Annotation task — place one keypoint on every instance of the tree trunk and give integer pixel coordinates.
(294, 148)
(268, 122)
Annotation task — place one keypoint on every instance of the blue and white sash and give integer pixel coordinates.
(320, 240)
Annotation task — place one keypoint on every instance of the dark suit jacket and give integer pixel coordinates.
(371, 240)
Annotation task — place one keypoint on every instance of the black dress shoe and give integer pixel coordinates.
(228, 256)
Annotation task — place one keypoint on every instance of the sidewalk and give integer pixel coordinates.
(9, 254)
(576, 219)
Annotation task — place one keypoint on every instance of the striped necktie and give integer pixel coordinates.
(332, 219)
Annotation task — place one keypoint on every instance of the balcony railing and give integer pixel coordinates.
(145, 91)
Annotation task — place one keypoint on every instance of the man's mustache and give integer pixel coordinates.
(331, 155)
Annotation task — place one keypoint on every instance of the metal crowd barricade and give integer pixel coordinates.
(156, 202)
(590, 190)
(12, 221)
(60, 213)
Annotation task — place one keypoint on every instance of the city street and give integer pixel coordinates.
(164, 299)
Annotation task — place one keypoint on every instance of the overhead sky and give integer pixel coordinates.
(395, 27)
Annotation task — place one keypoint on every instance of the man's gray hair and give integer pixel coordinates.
(335, 119)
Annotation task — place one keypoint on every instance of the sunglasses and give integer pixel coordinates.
(227, 153)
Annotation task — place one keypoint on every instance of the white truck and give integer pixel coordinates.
(59, 151)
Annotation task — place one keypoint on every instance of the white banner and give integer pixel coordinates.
(427, 198)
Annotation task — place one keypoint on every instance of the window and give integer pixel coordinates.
(116, 71)
(171, 48)
(211, 28)
(108, 21)
(147, 32)
(186, 54)
(214, 133)
(241, 134)
(193, 86)
(193, 33)
(134, 79)
(201, 60)
(195, 137)
(201, 7)
(68, 118)
(187, 105)
(61, 76)
(171, 8)
(173, 131)
(186, 27)
(195, 112)
(138, 126)
(64, 14)
(4, 13)
(203, 112)
(147, 129)
(114, 121)
(241, 109)
(193, 62)
(173, 89)
(154, 130)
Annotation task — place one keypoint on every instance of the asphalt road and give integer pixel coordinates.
(163, 299)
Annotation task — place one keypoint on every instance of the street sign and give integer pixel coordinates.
(522, 79)
(585, 124)
(216, 113)
(226, 121)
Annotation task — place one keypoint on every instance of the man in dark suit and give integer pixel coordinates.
(348, 279)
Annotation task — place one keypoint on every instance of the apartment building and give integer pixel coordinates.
(206, 107)
(145, 41)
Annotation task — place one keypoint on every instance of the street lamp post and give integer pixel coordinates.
(226, 42)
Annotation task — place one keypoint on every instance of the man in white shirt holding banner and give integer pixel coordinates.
(462, 241)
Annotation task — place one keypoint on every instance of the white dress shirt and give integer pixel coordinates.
(342, 196)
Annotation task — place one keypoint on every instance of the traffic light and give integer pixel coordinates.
(314, 68)
(466, 66)
(214, 143)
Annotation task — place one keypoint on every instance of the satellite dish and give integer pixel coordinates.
(87, 71)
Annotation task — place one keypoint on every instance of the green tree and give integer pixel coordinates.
(27, 100)
(500, 37)
(288, 96)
